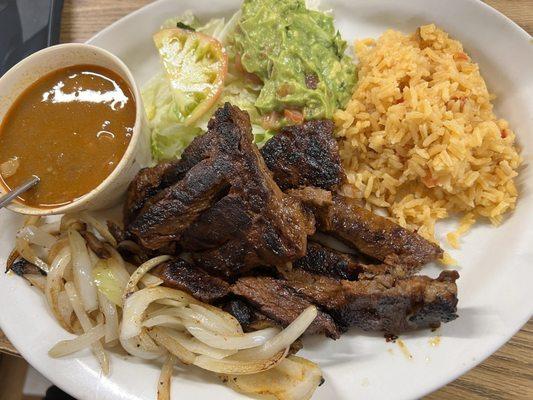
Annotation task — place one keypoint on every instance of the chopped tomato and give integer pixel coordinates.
(196, 65)
(429, 181)
(504, 133)
(460, 56)
(293, 116)
(270, 121)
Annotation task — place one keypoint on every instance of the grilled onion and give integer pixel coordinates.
(238, 367)
(243, 341)
(66, 347)
(82, 269)
(294, 378)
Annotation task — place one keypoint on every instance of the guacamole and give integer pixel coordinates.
(298, 55)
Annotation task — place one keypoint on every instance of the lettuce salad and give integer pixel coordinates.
(169, 135)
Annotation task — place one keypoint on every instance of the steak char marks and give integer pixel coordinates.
(369, 233)
(322, 260)
(305, 155)
(179, 274)
(276, 299)
(384, 303)
(220, 203)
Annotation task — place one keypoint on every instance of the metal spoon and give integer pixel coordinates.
(12, 194)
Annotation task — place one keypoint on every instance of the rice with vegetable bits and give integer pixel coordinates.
(419, 137)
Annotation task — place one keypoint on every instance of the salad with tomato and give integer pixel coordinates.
(280, 60)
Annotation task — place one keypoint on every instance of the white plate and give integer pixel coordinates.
(496, 284)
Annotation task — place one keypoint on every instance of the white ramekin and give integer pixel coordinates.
(137, 154)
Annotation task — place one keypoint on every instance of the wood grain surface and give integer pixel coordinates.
(507, 374)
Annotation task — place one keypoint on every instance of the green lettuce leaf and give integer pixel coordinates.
(168, 136)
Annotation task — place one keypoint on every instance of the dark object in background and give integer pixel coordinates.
(27, 26)
(54, 393)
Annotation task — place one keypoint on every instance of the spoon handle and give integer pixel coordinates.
(12, 194)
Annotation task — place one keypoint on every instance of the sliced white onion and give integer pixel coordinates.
(164, 320)
(163, 386)
(194, 345)
(161, 336)
(70, 221)
(66, 347)
(147, 342)
(51, 227)
(119, 270)
(294, 378)
(82, 270)
(100, 227)
(244, 341)
(54, 285)
(35, 235)
(64, 306)
(134, 347)
(147, 279)
(92, 256)
(227, 325)
(86, 324)
(26, 252)
(37, 280)
(171, 311)
(195, 318)
(34, 220)
(132, 315)
(238, 367)
(135, 306)
(282, 340)
(109, 311)
(172, 303)
(140, 271)
(56, 248)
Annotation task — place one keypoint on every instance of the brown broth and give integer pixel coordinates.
(70, 128)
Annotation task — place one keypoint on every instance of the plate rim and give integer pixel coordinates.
(461, 370)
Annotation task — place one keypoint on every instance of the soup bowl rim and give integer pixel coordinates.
(94, 198)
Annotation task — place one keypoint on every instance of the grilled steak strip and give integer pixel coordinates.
(322, 260)
(218, 200)
(307, 155)
(179, 274)
(385, 303)
(145, 184)
(149, 181)
(373, 235)
(304, 155)
(165, 216)
(278, 301)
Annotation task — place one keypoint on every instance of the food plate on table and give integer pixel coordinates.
(493, 261)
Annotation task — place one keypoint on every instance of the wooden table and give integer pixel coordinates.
(507, 374)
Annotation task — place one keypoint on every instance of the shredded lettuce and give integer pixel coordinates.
(108, 284)
(169, 136)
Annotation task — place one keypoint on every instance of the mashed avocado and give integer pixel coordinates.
(298, 55)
